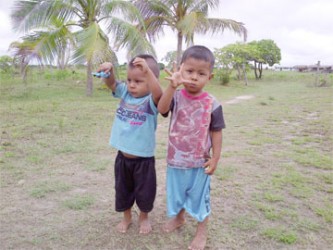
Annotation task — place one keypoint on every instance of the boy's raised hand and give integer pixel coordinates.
(106, 67)
(175, 76)
(141, 63)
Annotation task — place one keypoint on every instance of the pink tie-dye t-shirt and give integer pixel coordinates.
(190, 125)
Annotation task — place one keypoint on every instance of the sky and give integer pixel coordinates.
(302, 29)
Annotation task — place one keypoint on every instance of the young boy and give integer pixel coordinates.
(133, 134)
(195, 127)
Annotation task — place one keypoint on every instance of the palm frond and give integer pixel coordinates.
(128, 36)
(219, 25)
(27, 15)
(25, 51)
(125, 9)
(92, 45)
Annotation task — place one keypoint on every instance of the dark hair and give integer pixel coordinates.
(151, 61)
(199, 52)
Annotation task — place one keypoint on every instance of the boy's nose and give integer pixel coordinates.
(131, 84)
(194, 76)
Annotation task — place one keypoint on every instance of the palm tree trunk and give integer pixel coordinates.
(179, 47)
(23, 71)
(89, 89)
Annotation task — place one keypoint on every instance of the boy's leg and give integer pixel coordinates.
(145, 226)
(175, 222)
(200, 238)
(124, 191)
(145, 191)
(126, 222)
(176, 192)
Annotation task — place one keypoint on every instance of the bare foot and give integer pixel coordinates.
(173, 224)
(126, 222)
(200, 238)
(199, 242)
(145, 226)
(123, 226)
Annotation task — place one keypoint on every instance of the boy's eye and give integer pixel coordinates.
(136, 82)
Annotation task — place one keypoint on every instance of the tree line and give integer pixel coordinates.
(92, 31)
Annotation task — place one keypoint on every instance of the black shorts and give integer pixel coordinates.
(135, 181)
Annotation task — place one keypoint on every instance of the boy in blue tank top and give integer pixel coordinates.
(133, 134)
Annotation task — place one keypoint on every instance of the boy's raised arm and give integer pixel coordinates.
(176, 80)
(107, 67)
(166, 99)
(154, 85)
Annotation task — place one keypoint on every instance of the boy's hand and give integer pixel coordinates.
(210, 166)
(175, 76)
(106, 67)
(141, 63)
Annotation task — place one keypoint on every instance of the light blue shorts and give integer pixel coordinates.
(188, 189)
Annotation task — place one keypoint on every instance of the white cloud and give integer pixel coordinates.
(302, 29)
(7, 35)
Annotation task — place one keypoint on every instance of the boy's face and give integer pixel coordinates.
(137, 84)
(198, 72)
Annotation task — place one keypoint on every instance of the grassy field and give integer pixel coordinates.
(273, 188)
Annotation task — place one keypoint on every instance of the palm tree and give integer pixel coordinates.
(59, 23)
(185, 17)
(25, 52)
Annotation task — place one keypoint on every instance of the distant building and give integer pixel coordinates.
(283, 68)
(314, 68)
(306, 68)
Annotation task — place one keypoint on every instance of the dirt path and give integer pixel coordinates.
(241, 98)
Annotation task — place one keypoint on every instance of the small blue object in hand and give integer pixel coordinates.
(101, 74)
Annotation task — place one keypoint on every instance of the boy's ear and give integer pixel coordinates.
(211, 76)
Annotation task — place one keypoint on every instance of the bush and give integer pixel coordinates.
(57, 74)
(223, 76)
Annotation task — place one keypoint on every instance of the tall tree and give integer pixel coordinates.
(233, 56)
(25, 52)
(185, 17)
(264, 51)
(81, 22)
(170, 57)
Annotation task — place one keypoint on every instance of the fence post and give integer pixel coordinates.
(317, 74)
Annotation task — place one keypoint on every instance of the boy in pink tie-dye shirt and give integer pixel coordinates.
(195, 130)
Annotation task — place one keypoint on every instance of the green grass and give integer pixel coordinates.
(326, 211)
(44, 188)
(272, 189)
(244, 223)
(282, 235)
(79, 202)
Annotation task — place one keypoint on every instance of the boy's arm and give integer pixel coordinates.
(154, 86)
(107, 67)
(211, 164)
(153, 83)
(166, 99)
(176, 80)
